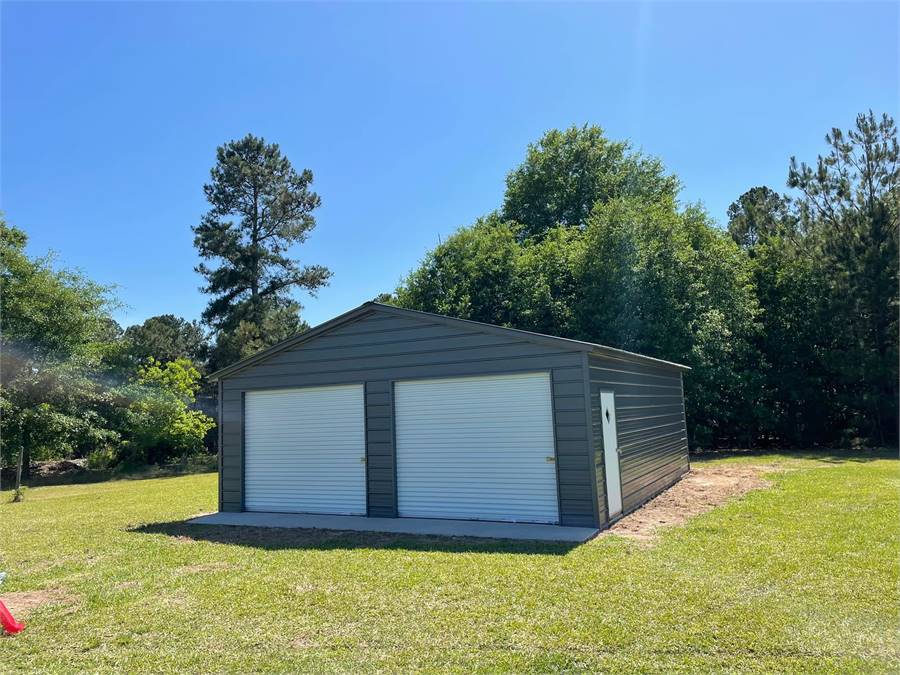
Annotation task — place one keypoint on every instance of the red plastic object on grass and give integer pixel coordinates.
(10, 625)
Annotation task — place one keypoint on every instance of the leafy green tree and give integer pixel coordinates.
(758, 213)
(548, 283)
(159, 422)
(166, 338)
(792, 293)
(55, 324)
(471, 276)
(247, 338)
(849, 205)
(260, 207)
(567, 172)
(668, 283)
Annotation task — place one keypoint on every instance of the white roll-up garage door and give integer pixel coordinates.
(476, 448)
(304, 450)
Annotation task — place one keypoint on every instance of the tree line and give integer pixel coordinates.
(788, 317)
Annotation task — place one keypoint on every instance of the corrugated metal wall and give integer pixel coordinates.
(380, 348)
(651, 427)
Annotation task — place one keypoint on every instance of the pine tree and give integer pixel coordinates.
(850, 206)
(260, 207)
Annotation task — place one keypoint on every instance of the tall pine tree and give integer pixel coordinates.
(850, 206)
(260, 207)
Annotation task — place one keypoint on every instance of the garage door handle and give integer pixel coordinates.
(551, 459)
(362, 459)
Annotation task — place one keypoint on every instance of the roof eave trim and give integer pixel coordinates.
(621, 353)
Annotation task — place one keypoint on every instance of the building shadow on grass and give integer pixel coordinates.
(827, 455)
(280, 539)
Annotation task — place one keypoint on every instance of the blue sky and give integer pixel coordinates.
(409, 115)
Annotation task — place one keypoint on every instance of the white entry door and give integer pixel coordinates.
(478, 448)
(611, 453)
(304, 450)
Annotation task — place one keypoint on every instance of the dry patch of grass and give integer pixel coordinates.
(22, 603)
(701, 490)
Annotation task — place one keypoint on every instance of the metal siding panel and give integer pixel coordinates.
(380, 474)
(638, 389)
(379, 398)
(379, 361)
(231, 500)
(576, 447)
(578, 509)
(304, 449)
(400, 343)
(618, 375)
(379, 423)
(572, 374)
(622, 362)
(476, 448)
(648, 491)
(568, 389)
(382, 487)
(598, 464)
(380, 436)
(565, 432)
(379, 450)
(578, 462)
(383, 387)
(570, 417)
(569, 403)
(375, 323)
(651, 427)
(461, 366)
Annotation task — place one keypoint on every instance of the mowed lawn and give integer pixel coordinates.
(801, 577)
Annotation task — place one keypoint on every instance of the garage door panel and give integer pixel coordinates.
(477, 448)
(303, 450)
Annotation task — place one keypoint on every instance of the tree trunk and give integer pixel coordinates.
(17, 495)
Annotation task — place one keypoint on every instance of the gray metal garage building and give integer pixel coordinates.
(388, 412)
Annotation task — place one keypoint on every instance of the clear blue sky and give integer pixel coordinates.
(409, 115)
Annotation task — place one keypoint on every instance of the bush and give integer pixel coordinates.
(102, 459)
(160, 426)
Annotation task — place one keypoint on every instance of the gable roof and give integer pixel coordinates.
(376, 307)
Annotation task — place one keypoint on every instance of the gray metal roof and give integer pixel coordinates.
(369, 307)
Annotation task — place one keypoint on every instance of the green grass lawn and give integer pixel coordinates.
(802, 577)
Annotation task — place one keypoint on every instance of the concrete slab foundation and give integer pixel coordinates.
(424, 526)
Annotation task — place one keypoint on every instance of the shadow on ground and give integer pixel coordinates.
(827, 455)
(280, 539)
